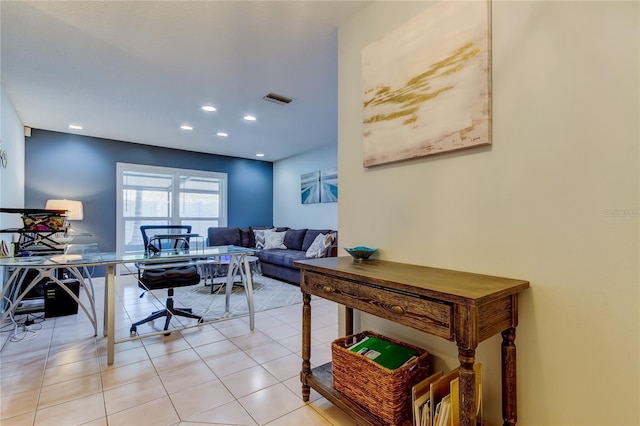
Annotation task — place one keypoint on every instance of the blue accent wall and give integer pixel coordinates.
(75, 167)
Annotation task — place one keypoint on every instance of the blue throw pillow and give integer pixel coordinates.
(293, 238)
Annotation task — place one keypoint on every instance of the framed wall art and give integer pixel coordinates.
(310, 188)
(319, 187)
(427, 85)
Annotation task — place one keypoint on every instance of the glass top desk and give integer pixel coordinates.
(46, 264)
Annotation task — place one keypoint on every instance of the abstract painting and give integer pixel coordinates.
(427, 85)
(310, 188)
(319, 187)
(329, 186)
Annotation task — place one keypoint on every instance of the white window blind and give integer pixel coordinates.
(152, 195)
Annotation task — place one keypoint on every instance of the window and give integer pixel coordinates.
(150, 195)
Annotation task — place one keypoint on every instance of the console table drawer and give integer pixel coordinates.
(423, 314)
(330, 288)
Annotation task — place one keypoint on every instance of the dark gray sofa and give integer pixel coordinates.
(276, 263)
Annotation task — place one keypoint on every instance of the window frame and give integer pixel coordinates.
(174, 208)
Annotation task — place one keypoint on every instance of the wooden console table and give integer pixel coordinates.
(458, 306)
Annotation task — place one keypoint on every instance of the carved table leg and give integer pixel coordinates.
(509, 405)
(306, 345)
(467, 387)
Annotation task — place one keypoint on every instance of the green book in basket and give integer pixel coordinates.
(387, 354)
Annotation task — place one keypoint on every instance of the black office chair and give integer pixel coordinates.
(154, 276)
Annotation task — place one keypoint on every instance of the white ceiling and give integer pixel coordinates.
(136, 70)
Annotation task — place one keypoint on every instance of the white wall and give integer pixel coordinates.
(11, 178)
(554, 200)
(287, 207)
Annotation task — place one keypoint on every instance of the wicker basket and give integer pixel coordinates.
(383, 392)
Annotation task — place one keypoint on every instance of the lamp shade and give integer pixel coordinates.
(73, 208)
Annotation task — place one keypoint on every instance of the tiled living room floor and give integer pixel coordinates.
(220, 373)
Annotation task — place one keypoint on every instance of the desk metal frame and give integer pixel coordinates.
(46, 264)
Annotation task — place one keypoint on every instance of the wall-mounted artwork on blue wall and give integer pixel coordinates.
(329, 186)
(310, 188)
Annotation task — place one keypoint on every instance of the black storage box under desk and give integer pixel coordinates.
(57, 302)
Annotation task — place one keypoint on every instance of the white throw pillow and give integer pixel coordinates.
(260, 237)
(274, 240)
(319, 245)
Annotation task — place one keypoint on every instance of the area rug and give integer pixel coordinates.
(268, 294)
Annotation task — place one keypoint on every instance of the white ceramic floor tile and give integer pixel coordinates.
(232, 414)
(332, 413)
(280, 332)
(296, 387)
(267, 352)
(252, 340)
(284, 368)
(70, 390)
(23, 420)
(159, 412)
(86, 350)
(230, 363)
(130, 356)
(18, 403)
(247, 381)
(305, 415)
(70, 371)
(201, 398)
(175, 360)
(23, 382)
(270, 403)
(133, 394)
(161, 348)
(198, 336)
(216, 349)
(186, 377)
(121, 375)
(74, 412)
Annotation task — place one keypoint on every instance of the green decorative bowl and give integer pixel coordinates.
(361, 252)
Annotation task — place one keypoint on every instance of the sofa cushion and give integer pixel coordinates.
(281, 257)
(294, 238)
(260, 237)
(274, 240)
(311, 235)
(252, 234)
(319, 245)
(224, 236)
(246, 235)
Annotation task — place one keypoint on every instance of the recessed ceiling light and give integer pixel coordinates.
(209, 108)
(249, 118)
(75, 127)
(259, 154)
(223, 134)
(186, 127)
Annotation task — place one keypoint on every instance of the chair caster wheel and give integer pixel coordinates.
(201, 320)
(167, 334)
(133, 331)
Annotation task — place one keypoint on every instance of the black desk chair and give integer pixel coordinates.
(154, 276)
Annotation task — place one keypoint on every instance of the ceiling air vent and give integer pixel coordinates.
(279, 99)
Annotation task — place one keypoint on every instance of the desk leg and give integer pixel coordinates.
(248, 288)
(109, 300)
(306, 345)
(509, 400)
(231, 272)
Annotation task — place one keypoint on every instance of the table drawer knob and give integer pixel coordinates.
(327, 289)
(397, 309)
